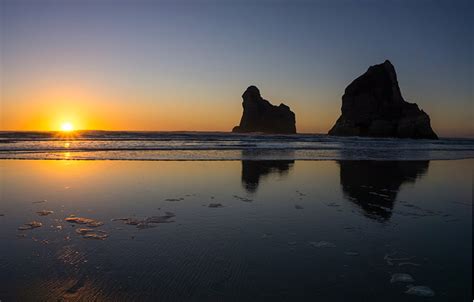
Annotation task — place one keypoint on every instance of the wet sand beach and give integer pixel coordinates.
(236, 230)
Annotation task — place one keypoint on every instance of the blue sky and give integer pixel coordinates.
(183, 65)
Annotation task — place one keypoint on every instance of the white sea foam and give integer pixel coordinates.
(224, 146)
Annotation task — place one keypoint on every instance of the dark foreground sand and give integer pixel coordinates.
(235, 231)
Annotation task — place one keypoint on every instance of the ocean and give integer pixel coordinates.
(126, 145)
(188, 216)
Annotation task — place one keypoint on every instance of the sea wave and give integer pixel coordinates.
(126, 145)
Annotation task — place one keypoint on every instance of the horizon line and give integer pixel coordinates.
(220, 131)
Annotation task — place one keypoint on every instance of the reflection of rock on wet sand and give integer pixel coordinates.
(374, 185)
(253, 170)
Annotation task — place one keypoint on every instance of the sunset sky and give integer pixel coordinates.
(183, 65)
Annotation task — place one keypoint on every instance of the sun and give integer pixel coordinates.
(67, 127)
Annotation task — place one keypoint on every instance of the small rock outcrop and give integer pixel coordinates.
(372, 105)
(261, 116)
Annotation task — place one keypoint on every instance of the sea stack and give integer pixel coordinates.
(372, 105)
(261, 116)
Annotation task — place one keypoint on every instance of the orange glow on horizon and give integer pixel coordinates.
(50, 104)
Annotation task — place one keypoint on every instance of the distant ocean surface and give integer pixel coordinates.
(125, 145)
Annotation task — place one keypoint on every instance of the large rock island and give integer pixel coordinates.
(372, 105)
(261, 116)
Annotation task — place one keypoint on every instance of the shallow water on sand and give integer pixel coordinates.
(240, 230)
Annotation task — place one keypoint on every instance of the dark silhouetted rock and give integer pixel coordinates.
(372, 105)
(261, 116)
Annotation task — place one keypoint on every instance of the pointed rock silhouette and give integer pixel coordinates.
(261, 116)
(372, 105)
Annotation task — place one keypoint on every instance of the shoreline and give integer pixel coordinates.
(214, 146)
(230, 159)
(237, 134)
